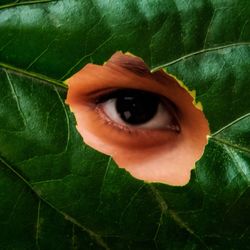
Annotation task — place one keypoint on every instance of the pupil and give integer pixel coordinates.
(136, 107)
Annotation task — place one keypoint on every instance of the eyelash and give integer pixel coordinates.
(111, 93)
(119, 127)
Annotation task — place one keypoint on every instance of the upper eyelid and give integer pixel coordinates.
(129, 64)
(109, 79)
(93, 95)
(137, 66)
(112, 91)
(96, 78)
(117, 92)
(142, 73)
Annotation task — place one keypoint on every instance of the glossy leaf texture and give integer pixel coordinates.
(56, 192)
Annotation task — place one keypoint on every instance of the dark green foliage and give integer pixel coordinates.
(57, 193)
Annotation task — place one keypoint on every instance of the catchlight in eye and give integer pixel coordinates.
(146, 121)
(139, 109)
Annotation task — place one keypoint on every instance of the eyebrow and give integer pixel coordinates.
(137, 67)
(133, 64)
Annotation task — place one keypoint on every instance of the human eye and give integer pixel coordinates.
(146, 121)
(138, 110)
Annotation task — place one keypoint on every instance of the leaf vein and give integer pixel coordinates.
(233, 156)
(38, 225)
(98, 239)
(17, 3)
(131, 201)
(16, 204)
(34, 75)
(230, 124)
(40, 55)
(225, 142)
(15, 97)
(103, 181)
(200, 52)
(166, 211)
(84, 57)
(67, 118)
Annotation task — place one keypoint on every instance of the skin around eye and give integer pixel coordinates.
(153, 153)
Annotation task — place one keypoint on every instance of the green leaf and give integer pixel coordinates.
(56, 192)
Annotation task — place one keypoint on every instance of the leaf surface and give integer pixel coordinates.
(56, 192)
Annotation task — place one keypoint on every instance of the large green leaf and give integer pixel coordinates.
(57, 193)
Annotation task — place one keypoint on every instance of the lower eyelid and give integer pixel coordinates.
(114, 125)
(107, 121)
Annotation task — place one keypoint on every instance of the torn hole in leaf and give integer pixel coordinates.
(147, 121)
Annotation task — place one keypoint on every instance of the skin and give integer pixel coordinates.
(152, 155)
